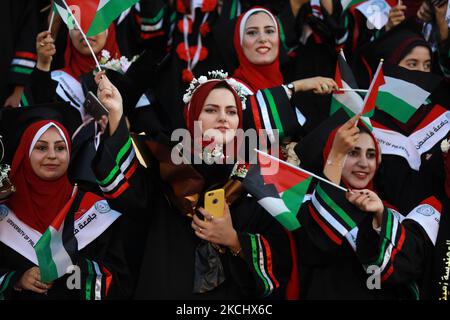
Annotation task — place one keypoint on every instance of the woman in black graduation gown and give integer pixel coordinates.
(346, 237)
(248, 252)
(39, 173)
(257, 41)
(405, 47)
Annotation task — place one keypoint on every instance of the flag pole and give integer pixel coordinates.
(301, 170)
(352, 90)
(51, 20)
(84, 36)
(341, 52)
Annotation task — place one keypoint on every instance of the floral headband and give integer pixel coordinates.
(215, 75)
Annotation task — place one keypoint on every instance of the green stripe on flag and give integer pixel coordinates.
(386, 239)
(273, 109)
(89, 280)
(394, 106)
(106, 15)
(336, 105)
(47, 266)
(24, 100)
(156, 19)
(233, 12)
(119, 157)
(21, 70)
(5, 282)
(293, 197)
(334, 206)
(288, 220)
(351, 4)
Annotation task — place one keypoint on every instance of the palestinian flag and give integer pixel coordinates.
(371, 96)
(347, 4)
(99, 21)
(60, 7)
(57, 247)
(350, 101)
(405, 91)
(281, 193)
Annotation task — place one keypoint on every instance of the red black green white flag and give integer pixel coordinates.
(278, 188)
(350, 100)
(105, 13)
(405, 91)
(57, 247)
(371, 96)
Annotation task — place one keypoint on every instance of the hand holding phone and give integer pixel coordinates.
(94, 107)
(215, 202)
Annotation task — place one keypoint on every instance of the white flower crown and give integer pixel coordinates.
(215, 75)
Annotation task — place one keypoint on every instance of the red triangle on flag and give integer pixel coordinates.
(283, 176)
(371, 97)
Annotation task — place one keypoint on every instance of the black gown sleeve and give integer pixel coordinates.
(103, 267)
(121, 178)
(270, 109)
(266, 256)
(329, 219)
(41, 89)
(24, 58)
(401, 249)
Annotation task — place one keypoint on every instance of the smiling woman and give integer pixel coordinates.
(242, 254)
(260, 40)
(49, 156)
(33, 263)
(219, 116)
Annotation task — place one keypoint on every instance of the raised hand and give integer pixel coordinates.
(368, 201)
(424, 13)
(110, 97)
(396, 16)
(318, 85)
(346, 137)
(344, 141)
(45, 48)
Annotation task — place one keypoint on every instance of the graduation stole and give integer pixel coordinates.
(92, 218)
(69, 89)
(428, 133)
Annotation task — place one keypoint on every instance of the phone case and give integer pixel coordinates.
(94, 107)
(215, 202)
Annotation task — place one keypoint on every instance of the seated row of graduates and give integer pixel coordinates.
(245, 253)
(333, 246)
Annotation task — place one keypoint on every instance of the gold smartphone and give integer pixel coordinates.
(215, 202)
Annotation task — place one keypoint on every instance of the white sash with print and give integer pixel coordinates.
(70, 90)
(21, 238)
(419, 142)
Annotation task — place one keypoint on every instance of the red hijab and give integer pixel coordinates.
(78, 64)
(193, 109)
(37, 201)
(329, 144)
(256, 76)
